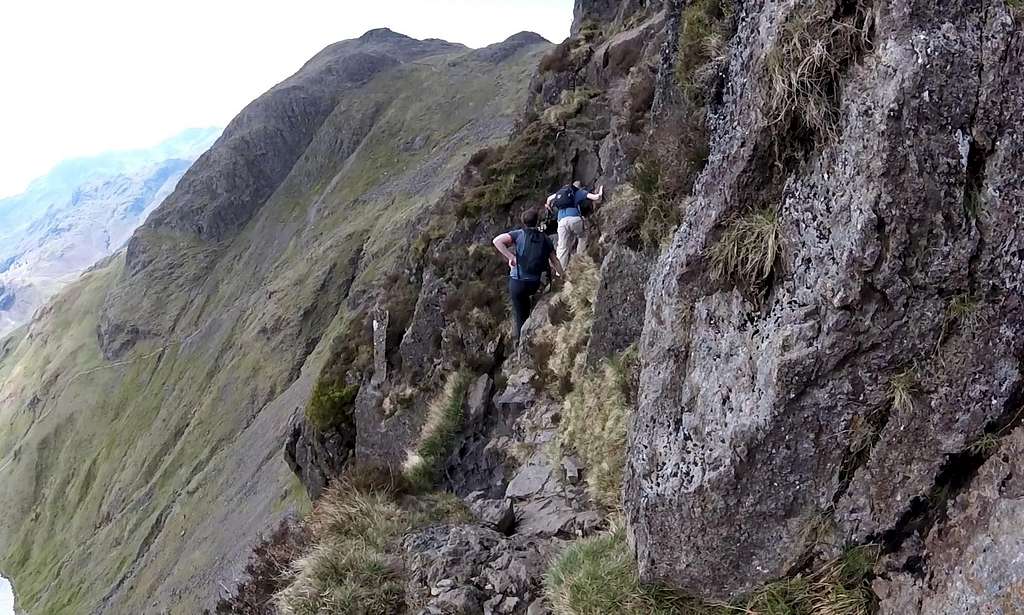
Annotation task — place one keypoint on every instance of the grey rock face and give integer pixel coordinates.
(619, 305)
(464, 566)
(973, 565)
(423, 337)
(314, 457)
(761, 416)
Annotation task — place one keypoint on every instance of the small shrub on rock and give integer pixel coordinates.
(521, 168)
(330, 407)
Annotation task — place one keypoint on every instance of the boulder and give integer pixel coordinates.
(476, 566)
(619, 305)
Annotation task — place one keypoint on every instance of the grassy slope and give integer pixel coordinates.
(143, 483)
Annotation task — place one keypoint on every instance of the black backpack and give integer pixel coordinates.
(565, 198)
(532, 259)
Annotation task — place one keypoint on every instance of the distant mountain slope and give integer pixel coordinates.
(81, 212)
(139, 467)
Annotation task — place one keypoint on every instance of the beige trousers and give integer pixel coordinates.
(572, 231)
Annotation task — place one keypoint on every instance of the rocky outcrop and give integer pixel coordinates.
(619, 305)
(315, 457)
(970, 563)
(466, 570)
(843, 387)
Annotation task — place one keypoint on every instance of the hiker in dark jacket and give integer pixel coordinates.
(570, 202)
(529, 253)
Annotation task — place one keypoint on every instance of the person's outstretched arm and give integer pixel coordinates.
(503, 243)
(547, 204)
(556, 265)
(596, 196)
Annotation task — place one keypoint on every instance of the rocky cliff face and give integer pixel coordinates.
(866, 382)
(794, 335)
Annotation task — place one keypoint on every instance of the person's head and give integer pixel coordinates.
(530, 218)
(577, 184)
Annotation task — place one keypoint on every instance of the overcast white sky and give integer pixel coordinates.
(80, 77)
(6, 599)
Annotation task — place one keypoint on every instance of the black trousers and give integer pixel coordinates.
(522, 293)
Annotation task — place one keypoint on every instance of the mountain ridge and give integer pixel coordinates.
(278, 185)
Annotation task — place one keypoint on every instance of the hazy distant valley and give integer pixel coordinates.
(79, 213)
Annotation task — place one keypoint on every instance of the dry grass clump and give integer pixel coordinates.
(523, 167)
(963, 311)
(597, 576)
(902, 389)
(568, 339)
(351, 565)
(437, 437)
(348, 568)
(704, 30)
(571, 102)
(804, 69)
(749, 249)
(839, 587)
(594, 422)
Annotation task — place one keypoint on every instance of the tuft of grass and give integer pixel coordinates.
(568, 340)
(571, 102)
(704, 30)
(594, 422)
(519, 169)
(902, 389)
(1016, 8)
(437, 437)
(985, 445)
(350, 565)
(348, 569)
(963, 311)
(749, 249)
(597, 575)
(659, 215)
(804, 69)
(330, 407)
